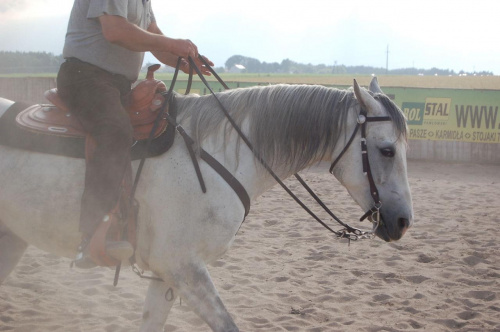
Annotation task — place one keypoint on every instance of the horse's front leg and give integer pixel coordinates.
(197, 289)
(159, 300)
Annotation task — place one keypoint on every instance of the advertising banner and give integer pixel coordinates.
(451, 115)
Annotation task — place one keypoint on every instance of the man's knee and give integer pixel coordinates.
(122, 134)
(119, 136)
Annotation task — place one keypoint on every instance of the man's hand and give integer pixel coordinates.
(185, 65)
(183, 48)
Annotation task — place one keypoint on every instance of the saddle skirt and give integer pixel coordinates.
(145, 100)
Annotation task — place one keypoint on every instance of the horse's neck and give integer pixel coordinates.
(232, 152)
(237, 157)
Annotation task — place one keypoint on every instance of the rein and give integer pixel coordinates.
(348, 232)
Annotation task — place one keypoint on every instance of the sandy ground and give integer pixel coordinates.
(285, 273)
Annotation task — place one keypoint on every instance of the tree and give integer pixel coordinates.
(234, 60)
(29, 62)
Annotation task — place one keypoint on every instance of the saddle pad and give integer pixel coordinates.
(70, 146)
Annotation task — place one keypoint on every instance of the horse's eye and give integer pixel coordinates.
(387, 152)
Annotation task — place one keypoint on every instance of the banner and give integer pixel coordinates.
(451, 115)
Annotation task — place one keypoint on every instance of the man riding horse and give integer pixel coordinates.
(104, 50)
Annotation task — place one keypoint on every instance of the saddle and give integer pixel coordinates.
(145, 101)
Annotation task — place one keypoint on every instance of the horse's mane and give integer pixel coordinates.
(289, 125)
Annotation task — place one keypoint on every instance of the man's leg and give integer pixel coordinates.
(96, 98)
(105, 171)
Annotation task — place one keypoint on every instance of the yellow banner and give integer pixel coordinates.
(439, 118)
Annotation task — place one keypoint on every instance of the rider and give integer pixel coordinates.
(104, 50)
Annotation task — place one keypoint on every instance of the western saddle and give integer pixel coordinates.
(145, 100)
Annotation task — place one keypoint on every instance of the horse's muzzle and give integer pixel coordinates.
(393, 232)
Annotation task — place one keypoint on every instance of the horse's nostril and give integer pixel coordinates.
(403, 223)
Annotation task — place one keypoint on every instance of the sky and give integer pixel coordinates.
(456, 35)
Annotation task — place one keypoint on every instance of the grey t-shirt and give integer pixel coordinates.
(85, 41)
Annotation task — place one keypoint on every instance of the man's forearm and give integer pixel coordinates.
(167, 58)
(119, 31)
(164, 57)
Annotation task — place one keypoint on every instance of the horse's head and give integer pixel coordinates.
(385, 132)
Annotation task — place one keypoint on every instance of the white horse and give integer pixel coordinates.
(180, 229)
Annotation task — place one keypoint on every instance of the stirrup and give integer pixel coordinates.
(119, 250)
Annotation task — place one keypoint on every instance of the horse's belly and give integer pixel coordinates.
(39, 198)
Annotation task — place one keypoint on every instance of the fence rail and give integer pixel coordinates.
(26, 89)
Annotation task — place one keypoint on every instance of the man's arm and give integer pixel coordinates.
(118, 30)
(165, 57)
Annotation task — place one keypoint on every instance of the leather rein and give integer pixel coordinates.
(348, 232)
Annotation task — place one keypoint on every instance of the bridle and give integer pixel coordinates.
(362, 121)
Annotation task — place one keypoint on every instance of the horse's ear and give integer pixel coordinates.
(364, 98)
(357, 93)
(374, 87)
